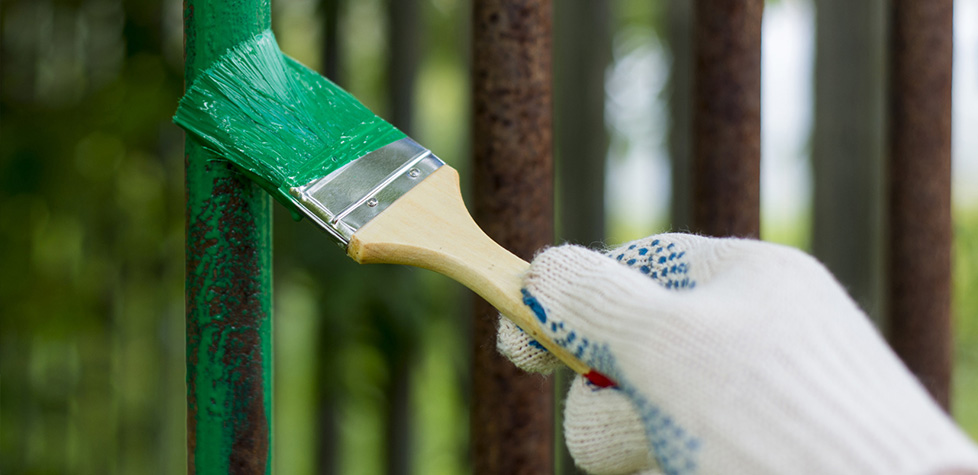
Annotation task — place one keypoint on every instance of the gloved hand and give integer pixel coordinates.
(731, 356)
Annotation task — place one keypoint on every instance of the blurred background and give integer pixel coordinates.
(92, 213)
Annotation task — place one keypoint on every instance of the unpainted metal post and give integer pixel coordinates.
(229, 276)
(402, 63)
(727, 117)
(330, 11)
(581, 140)
(679, 34)
(512, 413)
(919, 189)
(847, 145)
(403, 44)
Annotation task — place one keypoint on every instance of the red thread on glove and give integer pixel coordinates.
(599, 379)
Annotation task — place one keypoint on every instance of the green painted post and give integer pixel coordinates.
(229, 277)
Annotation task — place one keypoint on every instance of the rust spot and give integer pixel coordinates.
(225, 300)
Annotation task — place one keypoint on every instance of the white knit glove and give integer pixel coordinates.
(731, 356)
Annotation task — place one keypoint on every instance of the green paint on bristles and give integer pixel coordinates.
(280, 122)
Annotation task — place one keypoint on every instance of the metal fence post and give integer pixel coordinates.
(512, 414)
(581, 140)
(229, 276)
(919, 178)
(679, 34)
(847, 145)
(727, 117)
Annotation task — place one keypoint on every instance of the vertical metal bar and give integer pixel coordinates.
(512, 414)
(680, 37)
(727, 117)
(229, 277)
(331, 47)
(919, 208)
(582, 141)
(580, 63)
(403, 42)
(402, 66)
(327, 411)
(847, 144)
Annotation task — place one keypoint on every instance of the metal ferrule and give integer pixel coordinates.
(345, 200)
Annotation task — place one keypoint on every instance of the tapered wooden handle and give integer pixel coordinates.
(430, 227)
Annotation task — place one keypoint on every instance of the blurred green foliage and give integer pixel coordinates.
(91, 238)
(965, 313)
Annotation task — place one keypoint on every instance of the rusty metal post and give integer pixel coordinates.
(229, 276)
(919, 207)
(512, 412)
(727, 117)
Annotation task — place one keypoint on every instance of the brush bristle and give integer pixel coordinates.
(278, 120)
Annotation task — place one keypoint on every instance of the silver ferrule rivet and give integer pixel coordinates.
(372, 202)
(414, 173)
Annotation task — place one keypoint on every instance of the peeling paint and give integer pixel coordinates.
(229, 280)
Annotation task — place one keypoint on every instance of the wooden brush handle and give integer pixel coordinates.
(430, 227)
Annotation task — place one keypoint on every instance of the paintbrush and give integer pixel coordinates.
(377, 193)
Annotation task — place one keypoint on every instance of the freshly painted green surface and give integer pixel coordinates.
(229, 280)
(280, 121)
